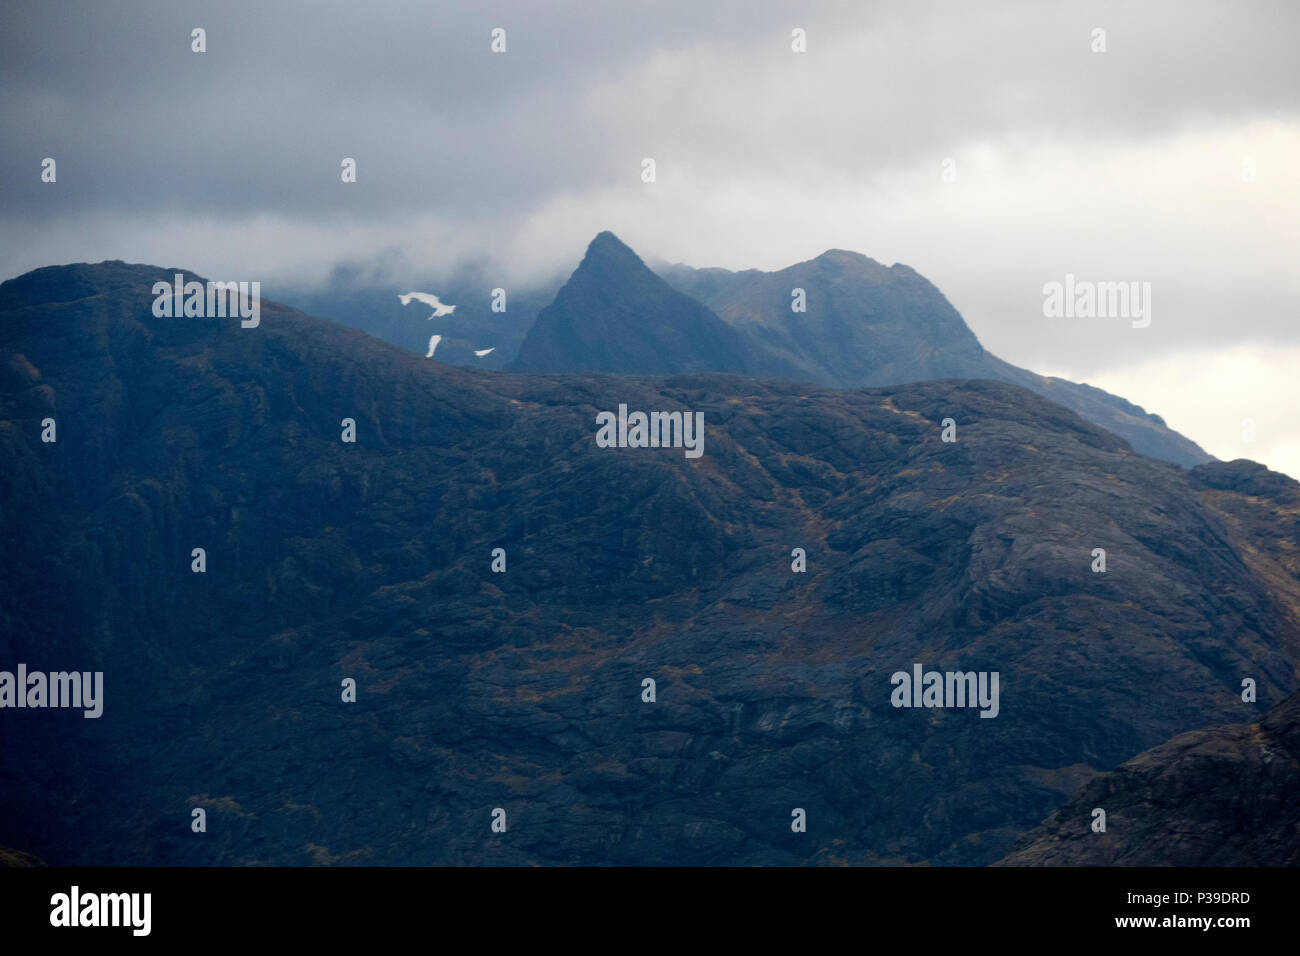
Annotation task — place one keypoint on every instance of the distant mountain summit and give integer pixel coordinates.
(615, 315)
(861, 324)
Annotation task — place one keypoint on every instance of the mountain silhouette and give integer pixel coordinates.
(328, 560)
(864, 324)
(615, 315)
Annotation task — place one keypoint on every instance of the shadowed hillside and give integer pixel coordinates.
(1227, 796)
(1224, 796)
(522, 690)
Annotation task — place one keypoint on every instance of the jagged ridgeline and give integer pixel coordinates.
(858, 323)
(522, 689)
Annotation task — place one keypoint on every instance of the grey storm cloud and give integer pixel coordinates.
(261, 121)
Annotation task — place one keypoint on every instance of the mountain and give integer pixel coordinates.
(615, 315)
(867, 324)
(363, 302)
(1226, 796)
(523, 690)
(472, 327)
(1223, 796)
(864, 325)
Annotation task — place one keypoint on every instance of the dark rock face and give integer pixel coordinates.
(522, 690)
(1261, 511)
(615, 315)
(1249, 479)
(1227, 796)
(1224, 796)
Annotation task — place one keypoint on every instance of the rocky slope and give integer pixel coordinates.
(522, 690)
(1224, 796)
(1227, 796)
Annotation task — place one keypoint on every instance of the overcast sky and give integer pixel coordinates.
(1128, 165)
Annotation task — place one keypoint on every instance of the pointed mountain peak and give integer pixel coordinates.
(609, 248)
(616, 315)
(610, 263)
